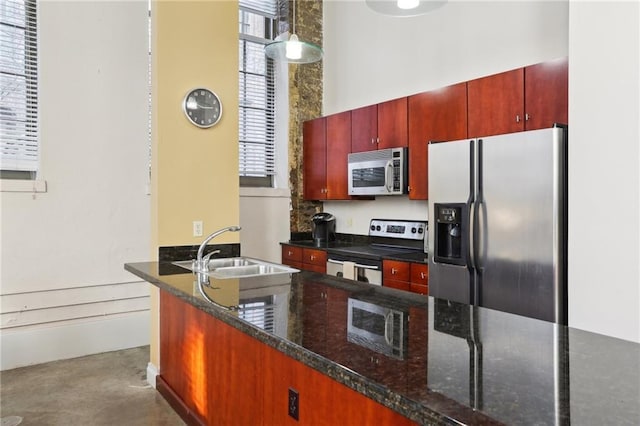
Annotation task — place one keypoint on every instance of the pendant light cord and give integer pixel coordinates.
(294, 18)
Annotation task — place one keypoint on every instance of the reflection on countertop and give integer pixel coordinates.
(463, 363)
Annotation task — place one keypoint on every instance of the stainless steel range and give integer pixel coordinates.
(386, 238)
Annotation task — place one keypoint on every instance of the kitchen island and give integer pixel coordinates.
(458, 363)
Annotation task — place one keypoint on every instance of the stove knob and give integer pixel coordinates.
(414, 230)
(373, 227)
(420, 230)
(378, 228)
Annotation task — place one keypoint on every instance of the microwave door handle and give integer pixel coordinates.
(388, 176)
(388, 328)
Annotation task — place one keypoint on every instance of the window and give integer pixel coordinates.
(257, 115)
(18, 89)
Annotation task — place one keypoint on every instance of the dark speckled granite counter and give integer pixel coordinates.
(410, 255)
(462, 364)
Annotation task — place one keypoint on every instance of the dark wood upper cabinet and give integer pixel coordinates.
(392, 124)
(496, 104)
(338, 149)
(314, 159)
(546, 94)
(364, 128)
(437, 115)
(529, 98)
(379, 126)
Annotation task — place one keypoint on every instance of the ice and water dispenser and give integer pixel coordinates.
(451, 237)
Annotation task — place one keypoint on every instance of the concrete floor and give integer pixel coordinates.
(103, 389)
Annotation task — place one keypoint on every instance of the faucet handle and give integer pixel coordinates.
(207, 256)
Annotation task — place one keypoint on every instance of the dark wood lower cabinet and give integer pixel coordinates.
(215, 369)
(214, 374)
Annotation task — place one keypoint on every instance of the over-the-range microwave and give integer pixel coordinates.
(381, 172)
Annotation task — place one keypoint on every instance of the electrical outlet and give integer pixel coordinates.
(197, 228)
(294, 401)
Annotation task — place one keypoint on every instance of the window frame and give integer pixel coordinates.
(24, 162)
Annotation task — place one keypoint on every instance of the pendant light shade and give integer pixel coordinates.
(291, 49)
(294, 51)
(404, 8)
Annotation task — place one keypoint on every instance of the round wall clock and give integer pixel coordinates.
(202, 107)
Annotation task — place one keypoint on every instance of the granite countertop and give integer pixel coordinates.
(409, 255)
(461, 364)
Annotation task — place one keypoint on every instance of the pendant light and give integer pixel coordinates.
(293, 50)
(404, 8)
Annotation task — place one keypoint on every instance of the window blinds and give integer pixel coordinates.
(18, 86)
(257, 89)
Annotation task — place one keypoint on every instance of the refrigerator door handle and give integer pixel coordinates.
(472, 231)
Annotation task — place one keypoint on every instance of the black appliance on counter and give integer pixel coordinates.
(324, 228)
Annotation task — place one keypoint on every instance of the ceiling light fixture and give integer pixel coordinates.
(404, 8)
(293, 50)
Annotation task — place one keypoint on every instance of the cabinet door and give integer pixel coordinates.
(364, 128)
(392, 124)
(438, 115)
(546, 94)
(496, 104)
(419, 278)
(314, 257)
(338, 149)
(291, 253)
(314, 159)
(395, 270)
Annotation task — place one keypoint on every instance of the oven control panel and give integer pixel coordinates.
(407, 229)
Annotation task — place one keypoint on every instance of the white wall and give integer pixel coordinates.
(604, 182)
(466, 40)
(63, 290)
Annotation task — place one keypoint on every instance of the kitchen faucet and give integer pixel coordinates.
(202, 264)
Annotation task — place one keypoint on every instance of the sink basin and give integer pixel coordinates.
(251, 271)
(239, 267)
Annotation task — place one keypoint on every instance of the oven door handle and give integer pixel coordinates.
(337, 262)
(358, 265)
(388, 328)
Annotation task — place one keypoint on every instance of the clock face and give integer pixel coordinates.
(202, 107)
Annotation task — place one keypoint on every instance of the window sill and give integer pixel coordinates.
(20, 185)
(265, 192)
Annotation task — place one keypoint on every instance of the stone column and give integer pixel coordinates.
(305, 103)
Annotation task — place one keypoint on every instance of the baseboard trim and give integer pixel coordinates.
(152, 374)
(25, 346)
(186, 414)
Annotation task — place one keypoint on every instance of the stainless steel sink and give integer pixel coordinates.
(239, 267)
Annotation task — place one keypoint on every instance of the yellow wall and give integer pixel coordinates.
(194, 171)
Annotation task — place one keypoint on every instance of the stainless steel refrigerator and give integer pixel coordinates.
(498, 222)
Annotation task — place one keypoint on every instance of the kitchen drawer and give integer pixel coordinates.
(400, 285)
(419, 274)
(419, 288)
(396, 271)
(314, 257)
(291, 253)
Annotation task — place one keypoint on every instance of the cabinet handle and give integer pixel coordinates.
(377, 141)
(517, 118)
(422, 275)
(373, 141)
(312, 257)
(393, 271)
(527, 117)
(290, 253)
